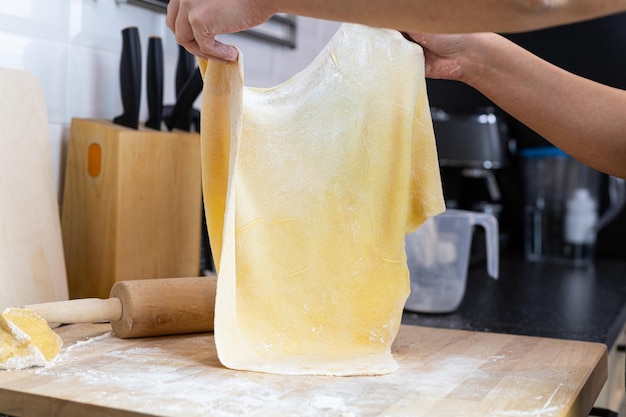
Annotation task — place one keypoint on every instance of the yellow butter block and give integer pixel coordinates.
(26, 340)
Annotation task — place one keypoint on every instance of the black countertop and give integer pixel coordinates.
(533, 299)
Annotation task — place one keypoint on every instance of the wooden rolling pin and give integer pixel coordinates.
(140, 308)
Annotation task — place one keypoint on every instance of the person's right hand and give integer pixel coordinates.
(461, 57)
(443, 54)
(195, 23)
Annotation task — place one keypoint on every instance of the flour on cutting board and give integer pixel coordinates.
(541, 412)
(163, 374)
(545, 411)
(82, 343)
(174, 376)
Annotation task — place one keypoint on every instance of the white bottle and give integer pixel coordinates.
(580, 218)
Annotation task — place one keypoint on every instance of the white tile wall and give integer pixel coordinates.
(72, 47)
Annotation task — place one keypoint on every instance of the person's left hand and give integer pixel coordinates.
(196, 23)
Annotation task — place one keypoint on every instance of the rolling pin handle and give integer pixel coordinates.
(83, 310)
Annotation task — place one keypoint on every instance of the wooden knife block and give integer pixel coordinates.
(131, 206)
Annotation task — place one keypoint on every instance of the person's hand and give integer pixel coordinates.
(442, 54)
(462, 57)
(195, 24)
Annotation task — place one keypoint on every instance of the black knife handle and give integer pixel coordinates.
(154, 84)
(130, 78)
(182, 110)
(184, 68)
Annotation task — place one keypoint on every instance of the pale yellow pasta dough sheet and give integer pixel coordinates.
(310, 188)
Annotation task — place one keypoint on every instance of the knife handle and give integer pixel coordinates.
(130, 78)
(155, 83)
(184, 68)
(182, 112)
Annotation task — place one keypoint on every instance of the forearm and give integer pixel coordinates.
(454, 16)
(585, 119)
(196, 23)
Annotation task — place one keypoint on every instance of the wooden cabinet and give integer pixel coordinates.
(613, 395)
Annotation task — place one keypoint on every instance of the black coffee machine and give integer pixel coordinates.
(475, 151)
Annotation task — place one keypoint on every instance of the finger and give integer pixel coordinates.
(196, 37)
(211, 48)
(193, 48)
(419, 38)
(429, 58)
(223, 51)
(172, 13)
(183, 29)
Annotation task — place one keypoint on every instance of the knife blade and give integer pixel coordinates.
(154, 82)
(130, 78)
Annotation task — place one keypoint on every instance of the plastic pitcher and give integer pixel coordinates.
(438, 258)
(562, 207)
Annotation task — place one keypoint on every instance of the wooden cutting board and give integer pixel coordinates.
(442, 373)
(32, 267)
